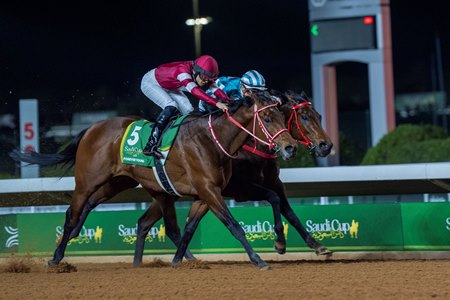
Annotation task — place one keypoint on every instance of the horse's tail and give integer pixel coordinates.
(66, 156)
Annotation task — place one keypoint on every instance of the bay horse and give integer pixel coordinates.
(255, 177)
(195, 165)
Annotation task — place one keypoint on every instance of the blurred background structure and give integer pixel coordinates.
(84, 62)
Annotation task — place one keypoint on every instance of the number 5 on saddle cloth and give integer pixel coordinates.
(135, 139)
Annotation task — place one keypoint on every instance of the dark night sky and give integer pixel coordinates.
(59, 53)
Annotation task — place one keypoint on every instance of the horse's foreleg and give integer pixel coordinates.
(291, 217)
(145, 223)
(257, 192)
(274, 200)
(219, 208)
(196, 213)
(236, 230)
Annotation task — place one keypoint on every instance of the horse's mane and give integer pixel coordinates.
(290, 95)
(300, 97)
(234, 105)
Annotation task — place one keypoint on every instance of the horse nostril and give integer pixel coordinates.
(325, 146)
(290, 149)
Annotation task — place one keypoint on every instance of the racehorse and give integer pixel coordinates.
(195, 165)
(255, 177)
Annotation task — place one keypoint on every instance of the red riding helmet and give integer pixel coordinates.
(207, 66)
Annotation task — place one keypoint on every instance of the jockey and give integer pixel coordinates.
(166, 84)
(235, 87)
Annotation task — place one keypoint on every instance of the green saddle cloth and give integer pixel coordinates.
(136, 137)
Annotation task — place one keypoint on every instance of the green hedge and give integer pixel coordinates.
(410, 144)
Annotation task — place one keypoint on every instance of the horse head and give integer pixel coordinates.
(271, 124)
(304, 122)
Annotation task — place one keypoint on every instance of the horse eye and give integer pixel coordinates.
(304, 117)
(267, 119)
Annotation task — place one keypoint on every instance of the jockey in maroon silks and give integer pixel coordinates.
(166, 84)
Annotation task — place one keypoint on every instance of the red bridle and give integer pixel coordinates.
(294, 115)
(256, 118)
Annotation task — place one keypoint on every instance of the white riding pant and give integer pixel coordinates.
(163, 97)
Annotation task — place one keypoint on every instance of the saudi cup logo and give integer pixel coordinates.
(13, 240)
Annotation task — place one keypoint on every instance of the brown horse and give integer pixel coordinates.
(195, 165)
(255, 177)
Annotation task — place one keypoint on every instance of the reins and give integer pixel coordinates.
(256, 119)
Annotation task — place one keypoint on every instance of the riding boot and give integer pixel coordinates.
(160, 123)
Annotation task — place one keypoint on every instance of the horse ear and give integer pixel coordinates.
(302, 97)
(305, 96)
(275, 93)
(290, 93)
(278, 96)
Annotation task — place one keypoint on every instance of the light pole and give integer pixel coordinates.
(198, 23)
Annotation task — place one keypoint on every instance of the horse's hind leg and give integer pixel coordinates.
(104, 193)
(173, 230)
(145, 222)
(84, 189)
(72, 217)
(196, 213)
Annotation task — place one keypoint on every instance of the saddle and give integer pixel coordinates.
(136, 137)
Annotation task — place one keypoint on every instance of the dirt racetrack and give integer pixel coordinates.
(401, 279)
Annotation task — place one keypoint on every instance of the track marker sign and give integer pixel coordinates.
(29, 134)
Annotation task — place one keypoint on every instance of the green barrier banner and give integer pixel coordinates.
(257, 223)
(426, 226)
(104, 233)
(9, 234)
(362, 227)
(342, 228)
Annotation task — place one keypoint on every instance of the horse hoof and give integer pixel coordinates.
(266, 268)
(188, 255)
(136, 264)
(280, 250)
(323, 251)
(176, 263)
(52, 262)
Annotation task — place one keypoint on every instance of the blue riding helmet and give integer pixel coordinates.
(253, 80)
